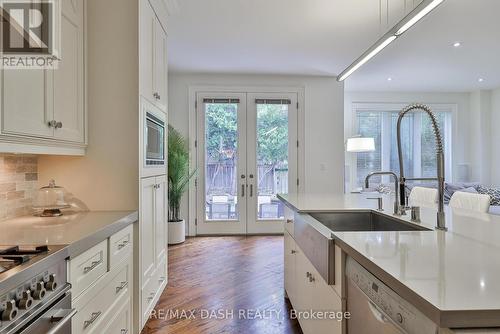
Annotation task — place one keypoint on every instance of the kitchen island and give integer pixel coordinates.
(451, 277)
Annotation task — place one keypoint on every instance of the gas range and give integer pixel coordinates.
(34, 293)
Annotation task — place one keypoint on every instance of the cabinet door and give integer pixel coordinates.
(147, 27)
(69, 77)
(160, 66)
(290, 257)
(324, 298)
(303, 290)
(147, 228)
(27, 102)
(160, 218)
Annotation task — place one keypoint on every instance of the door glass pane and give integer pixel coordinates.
(370, 125)
(272, 159)
(221, 160)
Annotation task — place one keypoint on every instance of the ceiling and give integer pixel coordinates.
(322, 37)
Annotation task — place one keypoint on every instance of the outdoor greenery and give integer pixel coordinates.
(222, 135)
(178, 172)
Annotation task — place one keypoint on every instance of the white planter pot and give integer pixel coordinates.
(176, 232)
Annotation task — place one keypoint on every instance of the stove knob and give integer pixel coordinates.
(26, 300)
(39, 291)
(51, 285)
(10, 311)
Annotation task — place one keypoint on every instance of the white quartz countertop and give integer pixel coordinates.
(444, 274)
(77, 230)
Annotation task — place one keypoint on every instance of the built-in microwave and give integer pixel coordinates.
(154, 139)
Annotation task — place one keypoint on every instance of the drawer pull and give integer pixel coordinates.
(311, 278)
(151, 296)
(123, 244)
(308, 274)
(93, 317)
(124, 331)
(86, 270)
(293, 251)
(289, 221)
(121, 287)
(162, 279)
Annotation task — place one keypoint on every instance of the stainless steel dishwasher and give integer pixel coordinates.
(376, 309)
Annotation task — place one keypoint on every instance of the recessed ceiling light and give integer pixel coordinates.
(480, 79)
(389, 79)
(457, 44)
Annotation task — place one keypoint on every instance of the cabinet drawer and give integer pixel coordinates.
(86, 268)
(120, 246)
(289, 223)
(120, 319)
(161, 274)
(147, 297)
(97, 306)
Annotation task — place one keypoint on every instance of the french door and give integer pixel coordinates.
(246, 155)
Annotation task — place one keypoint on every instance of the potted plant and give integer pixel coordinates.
(178, 181)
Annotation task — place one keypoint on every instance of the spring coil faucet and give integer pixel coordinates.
(441, 221)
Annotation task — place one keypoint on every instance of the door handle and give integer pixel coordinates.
(251, 190)
(242, 190)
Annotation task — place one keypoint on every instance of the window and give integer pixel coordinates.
(417, 138)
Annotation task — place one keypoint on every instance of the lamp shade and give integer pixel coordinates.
(360, 145)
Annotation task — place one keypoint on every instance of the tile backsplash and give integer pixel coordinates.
(18, 184)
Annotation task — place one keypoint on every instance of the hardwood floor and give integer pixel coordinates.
(217, 282)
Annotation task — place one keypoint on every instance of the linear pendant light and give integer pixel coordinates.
(424, 8)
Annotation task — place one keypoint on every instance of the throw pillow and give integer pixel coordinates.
(493, 192)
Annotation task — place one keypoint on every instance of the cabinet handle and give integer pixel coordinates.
(293, 251)
(311, 279)
(289, 221)
(52, 124)
(251, 190)
(242, 190)
(308, 274)
(121, 287)
(88, 269)
(124, 331)
(123, 244)
(58, 125)
(93, 318)
(162, 279)
(151, 296)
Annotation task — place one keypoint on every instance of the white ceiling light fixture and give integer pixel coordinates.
(424, 8)
(457, 44)
(480, 79)
(389, 79)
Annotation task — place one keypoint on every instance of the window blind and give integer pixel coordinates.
(273, 101)
(217, 100)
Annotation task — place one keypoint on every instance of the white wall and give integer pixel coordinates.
(495, 137)
(324, 119)
(461, 131)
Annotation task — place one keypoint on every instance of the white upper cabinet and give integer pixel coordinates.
(69, 77)
(43, 111)
(27, 106)
(153, 57)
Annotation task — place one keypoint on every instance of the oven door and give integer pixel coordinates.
(155, 141)
(56, 319)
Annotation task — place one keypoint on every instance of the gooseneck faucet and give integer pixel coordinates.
(398, 210)
(441, 222)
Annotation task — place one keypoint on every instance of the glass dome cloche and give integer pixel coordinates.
(50, 200)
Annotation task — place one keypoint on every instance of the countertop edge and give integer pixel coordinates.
(79, 246)
(443, 318)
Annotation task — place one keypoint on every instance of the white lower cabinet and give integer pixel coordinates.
(105, 301)
(153, 243)
(311, 297)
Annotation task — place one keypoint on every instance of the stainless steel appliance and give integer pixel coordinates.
(154, 139)
(34, 294)
(376, 309)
